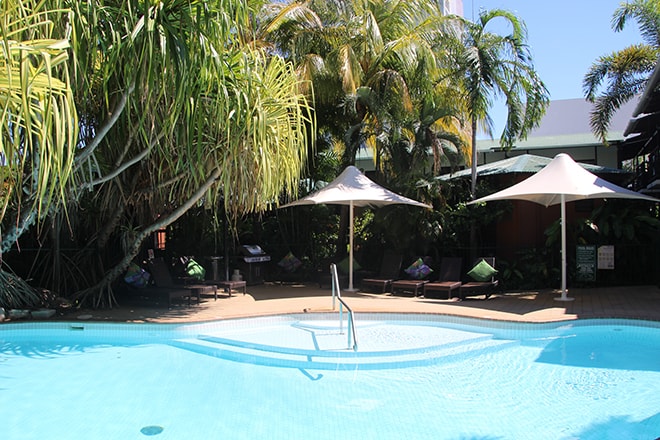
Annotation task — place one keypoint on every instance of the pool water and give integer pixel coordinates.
(295, 377)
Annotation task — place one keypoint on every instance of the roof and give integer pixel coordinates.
(566, 125)
(642, 130)
(523, 164)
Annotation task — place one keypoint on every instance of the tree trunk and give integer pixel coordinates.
(24, 222)
(473, 165)
(473, 191)
(103, 285)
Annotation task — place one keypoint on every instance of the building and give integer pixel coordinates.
(454, 7)
(641, 145)
(633, 143)
(565, 128)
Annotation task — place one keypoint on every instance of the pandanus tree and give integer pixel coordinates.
(38, 122)
(614, 79)
(39, 118)
(176, 110)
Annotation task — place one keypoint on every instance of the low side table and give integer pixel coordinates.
(229, 285)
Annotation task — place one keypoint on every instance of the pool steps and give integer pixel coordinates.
(314, 359)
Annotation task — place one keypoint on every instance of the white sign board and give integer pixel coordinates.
(606, 257)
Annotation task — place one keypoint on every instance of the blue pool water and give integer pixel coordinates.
(293, 377)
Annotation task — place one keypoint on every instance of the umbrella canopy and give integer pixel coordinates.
(524, 164)
(561, 181)
(353, 188)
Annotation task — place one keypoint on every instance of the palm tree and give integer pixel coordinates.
(626, 71)
(360, 57)
(489, 65)
(438, 121)
(371, 64)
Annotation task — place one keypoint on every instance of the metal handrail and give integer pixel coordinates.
(336, 293)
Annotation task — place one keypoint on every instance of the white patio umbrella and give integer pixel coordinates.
(561, 181)
(353, 188)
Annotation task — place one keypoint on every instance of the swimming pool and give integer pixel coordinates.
(293, 377)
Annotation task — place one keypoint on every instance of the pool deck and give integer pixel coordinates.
(633, 302)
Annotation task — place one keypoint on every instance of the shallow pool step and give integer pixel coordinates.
(288, 357)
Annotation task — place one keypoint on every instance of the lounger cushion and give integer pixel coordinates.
(343, 265)
(482, 271)
(136, 276)
(418, 270)
(195, 270)
(289, 263)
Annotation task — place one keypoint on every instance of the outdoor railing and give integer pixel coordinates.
(336, 293)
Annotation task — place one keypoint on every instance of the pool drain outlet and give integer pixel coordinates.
(151, 430)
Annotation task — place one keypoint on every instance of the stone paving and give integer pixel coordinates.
(635, 302)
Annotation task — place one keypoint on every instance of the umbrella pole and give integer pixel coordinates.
(350, 247)
(564, 292)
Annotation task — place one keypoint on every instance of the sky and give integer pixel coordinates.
(565, 38)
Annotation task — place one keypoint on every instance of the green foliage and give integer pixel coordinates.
(457, 217)
(630, 226)
(487, 65)
(614, 222)
(38, 117)
(634, 222)
(531, 269)
(15, 293)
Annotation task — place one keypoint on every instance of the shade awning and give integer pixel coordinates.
(524, 164)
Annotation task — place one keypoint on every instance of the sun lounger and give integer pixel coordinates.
(485, 272)
(389, 271)
(413, 286)
(418, 273)
(448, 279)
(153, 294)
(163, 279)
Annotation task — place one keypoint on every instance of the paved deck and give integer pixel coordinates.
(635, 302)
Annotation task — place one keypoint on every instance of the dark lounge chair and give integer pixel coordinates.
(163, 280)
(478, 288)
(418, 274)
(325, 279)
(390, 268)
(152, 294)
(449, 279)
(288, 269)
(412, 286)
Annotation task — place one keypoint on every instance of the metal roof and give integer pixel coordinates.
(641, 133)
(526, 164)
(566, 125)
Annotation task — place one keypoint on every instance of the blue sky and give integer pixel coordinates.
(565, 38)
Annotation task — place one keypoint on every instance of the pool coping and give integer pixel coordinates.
(628, 302)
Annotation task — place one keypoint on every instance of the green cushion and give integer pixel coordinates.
(343, 265)
(195, 270)
(482, 271)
